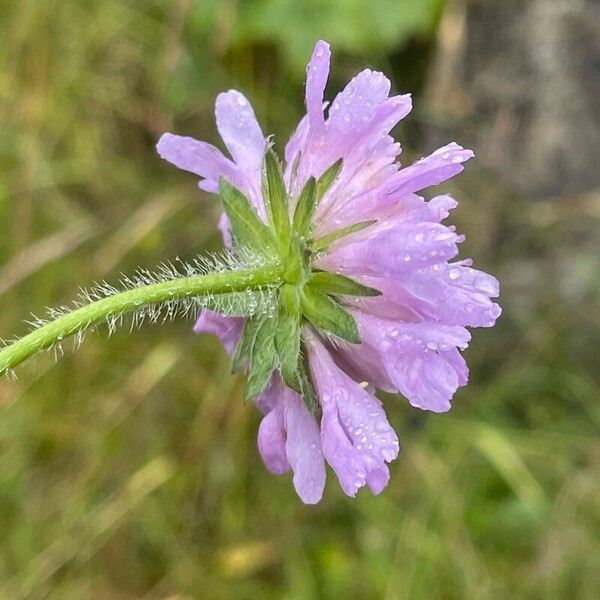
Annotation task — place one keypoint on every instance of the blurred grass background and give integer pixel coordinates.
(129, 469)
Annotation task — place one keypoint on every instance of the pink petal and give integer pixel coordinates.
(420, 358)
(271, 441)
(295, 144)
(387, 251)
(227, 329)
(240, 130)
(288, 437)
(453, 294)
(424, 378)
(267, 399)
(377, 479)
(317, 73)
(443, 164)
(195, 156)
(356, 436)
(363, 364)
(354, 107)
(303, 448)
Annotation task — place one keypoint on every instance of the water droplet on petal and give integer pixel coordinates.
(441, 237)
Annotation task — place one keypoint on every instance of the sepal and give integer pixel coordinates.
(325, 241)
(246, 226)
(336, 284)
(305, 207)
(327, 178)
(264, 358)
(287, 335)
(276, 199)
(328, 315)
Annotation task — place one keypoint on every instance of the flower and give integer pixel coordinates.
(376, 298)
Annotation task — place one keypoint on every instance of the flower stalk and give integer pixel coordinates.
(120, 303)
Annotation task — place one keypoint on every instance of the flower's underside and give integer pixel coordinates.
(370, 298)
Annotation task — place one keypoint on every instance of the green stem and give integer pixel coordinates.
(134, 299)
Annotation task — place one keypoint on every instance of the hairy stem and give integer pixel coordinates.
(130, 300)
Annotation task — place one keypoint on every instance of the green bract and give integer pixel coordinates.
(306, 295)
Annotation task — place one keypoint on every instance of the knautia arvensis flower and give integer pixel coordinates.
(368, 297)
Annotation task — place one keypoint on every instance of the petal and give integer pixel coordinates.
(363, 363)
(424, 378)
(356, 436)
(227, 329)
(345, 460)
(377, 479)
(386, 251)
(456, 360)
(267, 399)
(368, 163)
(420, 358)
(240, 130)
(317, 73)
(271, 441)
(443, 164)
(295, 145)
(395, 302)
(374, 148)
(385, 334)
(452, 293)
(303, 448)
(195, 156)
(354, 107)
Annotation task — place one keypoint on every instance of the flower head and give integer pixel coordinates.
(371, 296)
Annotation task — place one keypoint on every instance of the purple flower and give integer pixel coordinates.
(412, 334)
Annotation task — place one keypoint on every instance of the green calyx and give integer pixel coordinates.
(305, 295)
